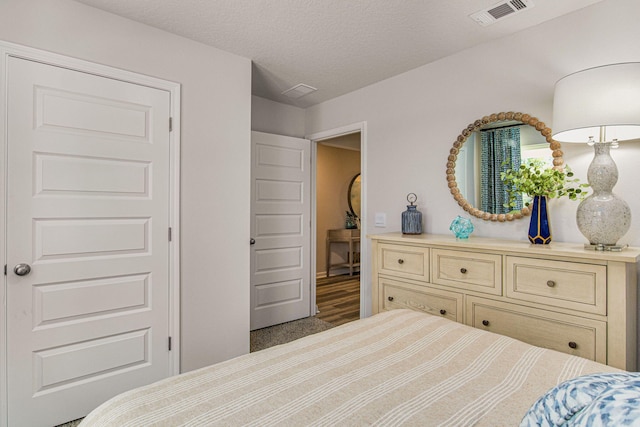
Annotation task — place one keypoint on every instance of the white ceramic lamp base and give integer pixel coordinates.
(603, 218)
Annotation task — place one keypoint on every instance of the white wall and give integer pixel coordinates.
(275, 117)
(413, 119)
(216, 108)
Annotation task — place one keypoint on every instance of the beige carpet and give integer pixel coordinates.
(285, 332)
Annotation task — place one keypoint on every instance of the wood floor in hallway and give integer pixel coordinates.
(338, 298)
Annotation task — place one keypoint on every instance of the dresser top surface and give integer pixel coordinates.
(577, 250)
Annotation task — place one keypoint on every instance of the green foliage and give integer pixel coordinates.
(536, 179)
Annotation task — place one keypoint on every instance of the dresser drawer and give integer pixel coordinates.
(396, 294)
(404, 261)
(568, 334)
(473, 271)
(563, 284)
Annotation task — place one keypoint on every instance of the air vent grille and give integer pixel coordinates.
(500, 10)
(299, 91)
(503, 10)
(518, 4)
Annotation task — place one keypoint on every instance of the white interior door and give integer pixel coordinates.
(281, 229)
(88, 211)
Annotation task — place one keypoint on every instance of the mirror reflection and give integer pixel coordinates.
(488, 147)
(354, 196)
(493, 149)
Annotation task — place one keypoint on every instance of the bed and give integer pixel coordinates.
(399, 367)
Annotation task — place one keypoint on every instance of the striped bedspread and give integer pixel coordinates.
(399, 367)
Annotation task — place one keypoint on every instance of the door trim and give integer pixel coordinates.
(365, 263)
(14, 50)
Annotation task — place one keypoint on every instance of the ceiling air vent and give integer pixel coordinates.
(500, 10)
(299, 91)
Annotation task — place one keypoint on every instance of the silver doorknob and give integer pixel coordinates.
(22, 269)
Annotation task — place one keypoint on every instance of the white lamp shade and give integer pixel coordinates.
(607, 96)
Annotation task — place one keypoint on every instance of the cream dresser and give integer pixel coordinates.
(558, 296)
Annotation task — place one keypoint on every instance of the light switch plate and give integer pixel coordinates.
(381, 219)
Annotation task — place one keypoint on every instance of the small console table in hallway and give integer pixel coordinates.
(350, 237)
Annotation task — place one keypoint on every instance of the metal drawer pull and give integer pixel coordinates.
(551, 283)
(463, 270)
(390, 298)
(443, 312)
(485, 322)
(573, 345)
(400, 261)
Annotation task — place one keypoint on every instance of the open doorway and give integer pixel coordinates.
(338, 223)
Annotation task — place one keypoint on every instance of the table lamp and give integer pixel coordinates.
(600, 106)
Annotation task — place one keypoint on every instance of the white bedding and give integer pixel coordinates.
(399, 367)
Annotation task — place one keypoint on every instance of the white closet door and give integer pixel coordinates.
(88, 212)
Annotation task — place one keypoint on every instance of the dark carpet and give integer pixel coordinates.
(286, 332)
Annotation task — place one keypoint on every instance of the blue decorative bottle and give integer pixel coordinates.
(412, 217)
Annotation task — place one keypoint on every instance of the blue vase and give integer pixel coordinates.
(539, 227)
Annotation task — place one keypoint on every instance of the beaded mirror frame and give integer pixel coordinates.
(477, 125)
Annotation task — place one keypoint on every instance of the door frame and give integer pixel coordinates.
(14, 50)
(365, 265)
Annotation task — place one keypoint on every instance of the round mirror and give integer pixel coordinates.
(354, 195)
(489, 145)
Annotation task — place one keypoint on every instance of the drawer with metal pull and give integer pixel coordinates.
(474, 271)
(563, 284)
(569, 334)
(410, 262)
(397, 294)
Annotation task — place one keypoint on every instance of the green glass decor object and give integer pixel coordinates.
(461, 227)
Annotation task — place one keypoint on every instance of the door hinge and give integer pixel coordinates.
(169, 343)
(170, 124)
(170, 234)
(5, 269)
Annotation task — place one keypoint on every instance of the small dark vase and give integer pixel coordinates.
(412, 217)
(411, 220)
(539, 227)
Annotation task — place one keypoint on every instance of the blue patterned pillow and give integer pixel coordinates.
(607, 399)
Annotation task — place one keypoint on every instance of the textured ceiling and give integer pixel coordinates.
(336, 46)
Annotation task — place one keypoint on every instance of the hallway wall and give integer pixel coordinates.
(335, 169)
